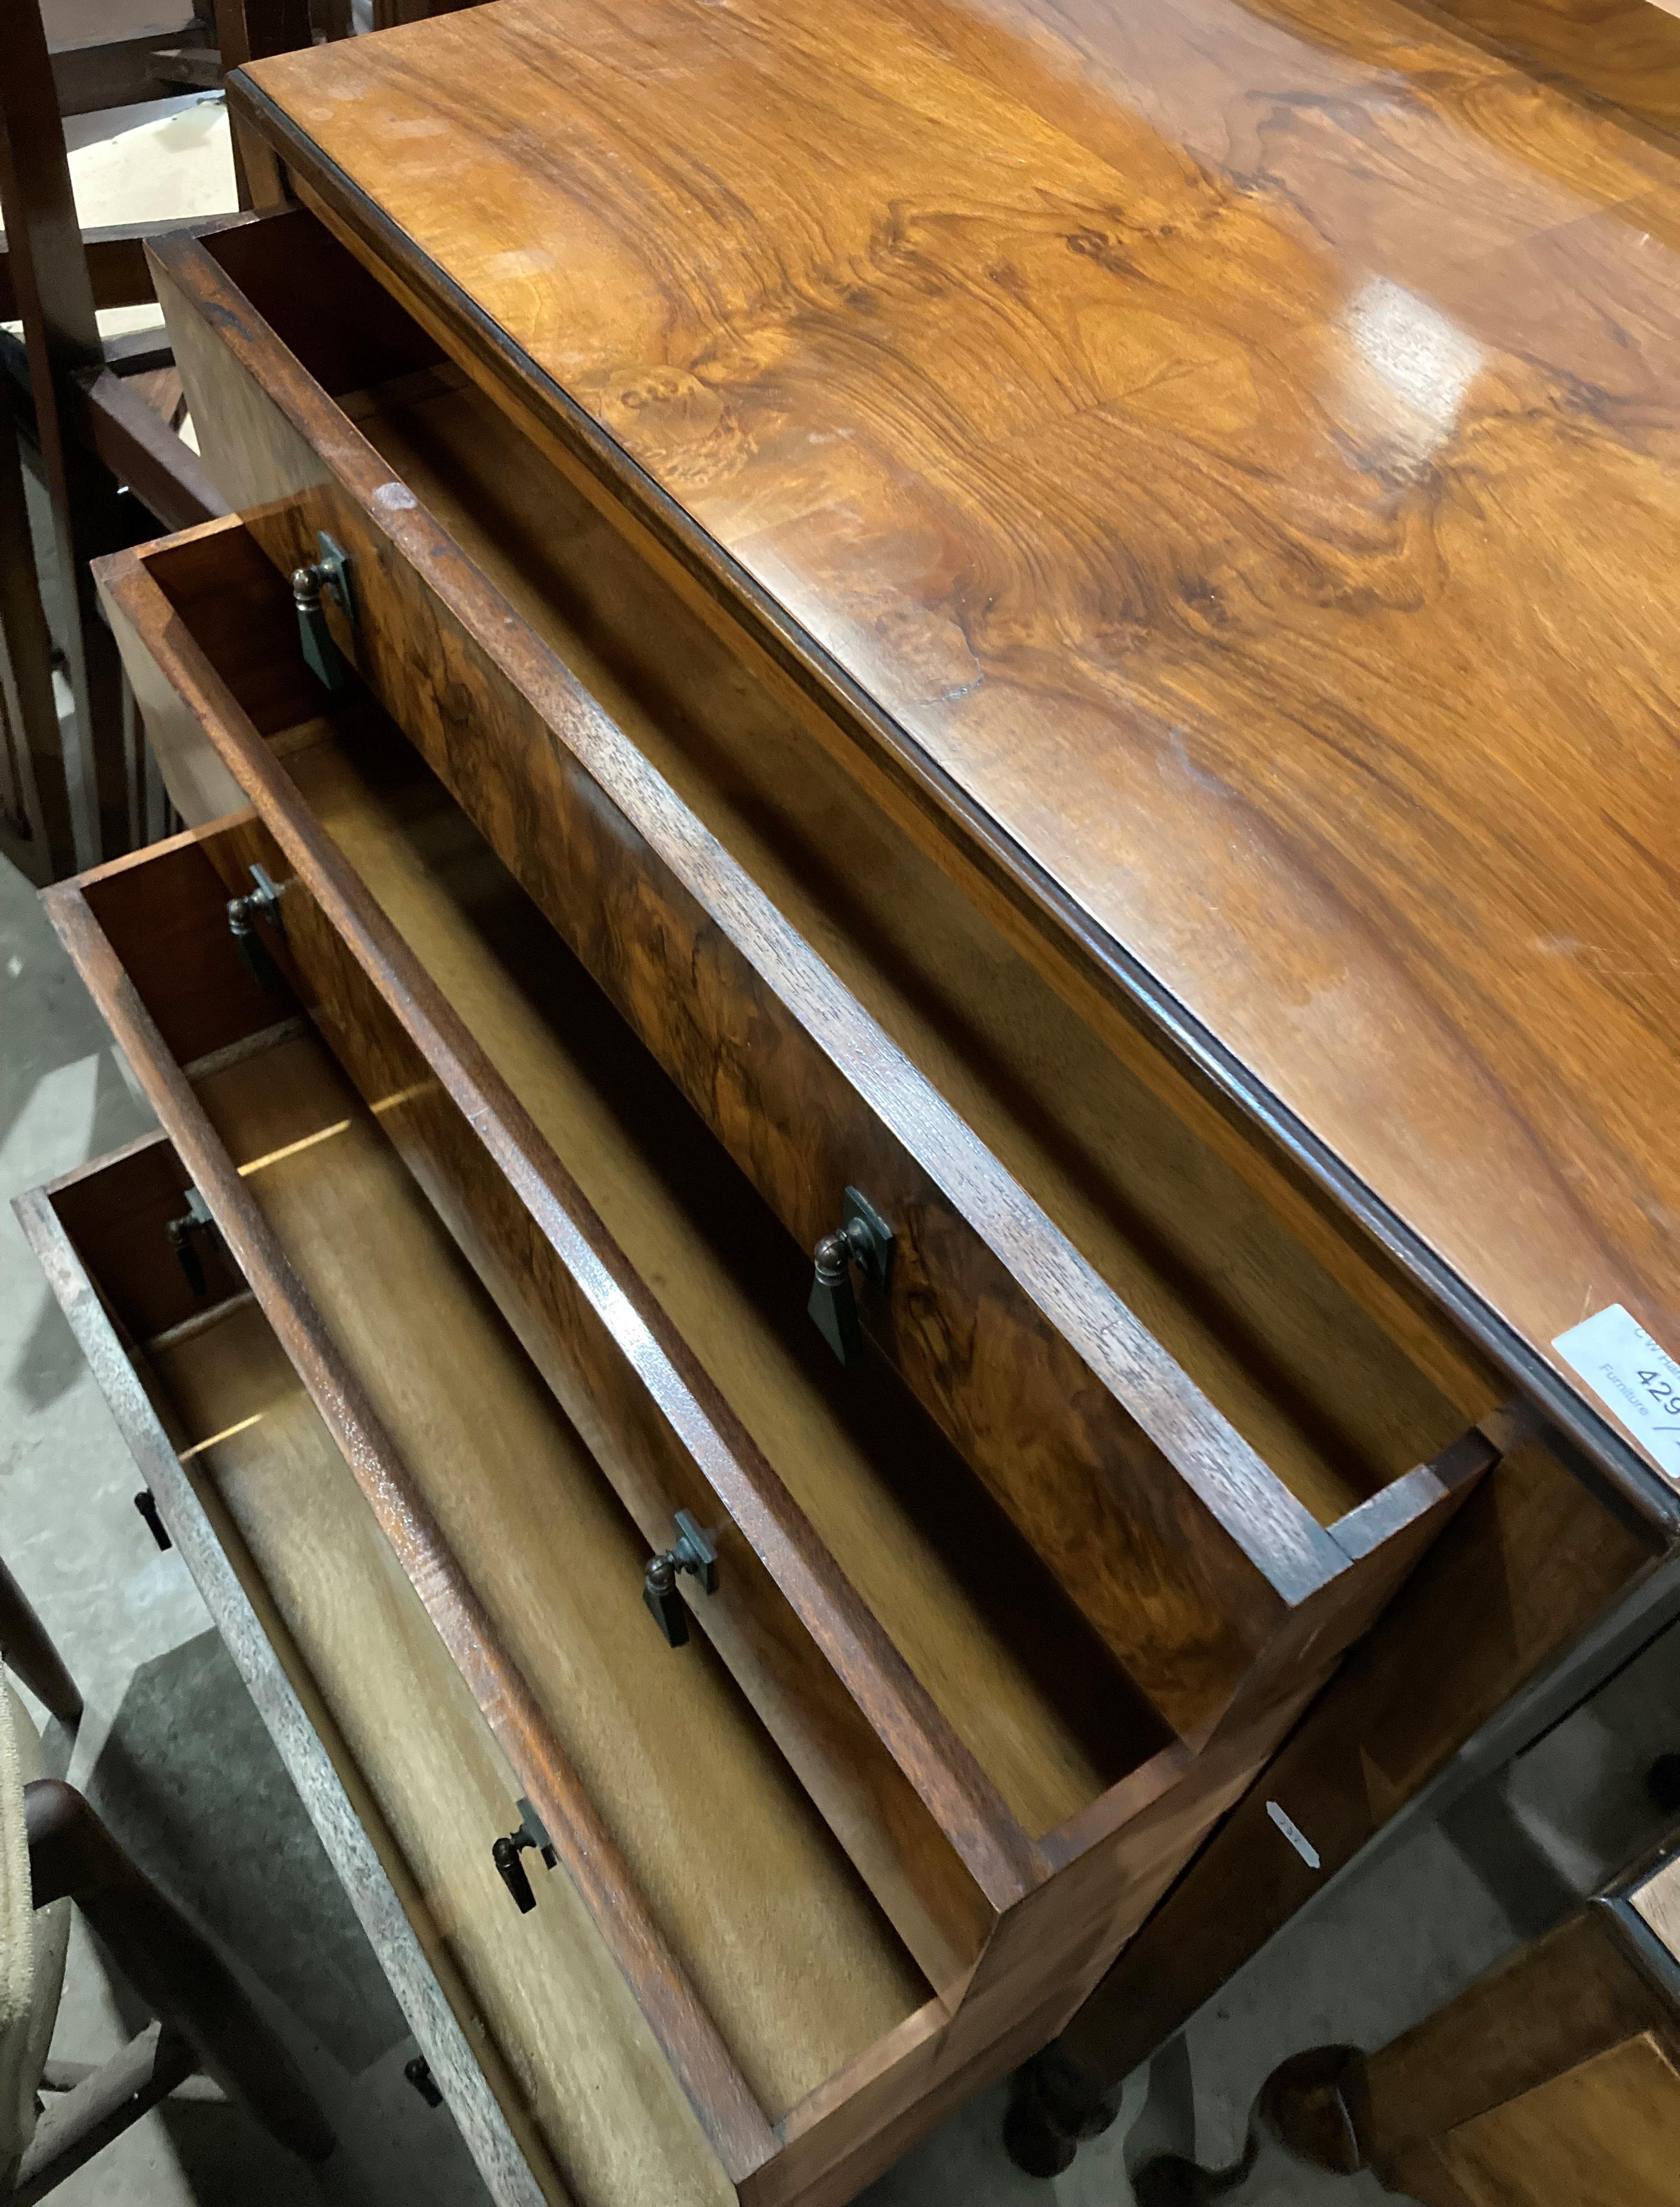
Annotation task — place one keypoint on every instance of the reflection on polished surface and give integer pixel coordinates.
(1236, 443)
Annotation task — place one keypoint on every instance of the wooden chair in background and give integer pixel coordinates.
(92, 419)
(1552, 2081)
(204, 2036)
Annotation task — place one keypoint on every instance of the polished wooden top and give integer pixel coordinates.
(1237, 449)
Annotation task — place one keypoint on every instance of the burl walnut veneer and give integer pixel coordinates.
(1050, 617)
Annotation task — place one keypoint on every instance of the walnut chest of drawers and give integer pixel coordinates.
(696, 824)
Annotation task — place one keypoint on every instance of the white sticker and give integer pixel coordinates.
(1293, 1833)
(1638, 1380)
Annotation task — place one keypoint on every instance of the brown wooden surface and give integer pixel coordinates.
(279, 1496)
(373, 805)
(483, 711)
(143, 453)
(119, 1218)
(1313, 1384)
(27, 1652)
(690, 950)
(38, 768)
(382, 1888)
(1552, 2081)
(116, 263)
(1171, 444)
(53, 294)
(1605, 2133)
(622, 1370)
(1553, 2077)
(1112, 1862)
(727, 1857)
(1626, 51)
(1528, 1564)
(716, 2088)
(315, 1169)
(245, 30)
(123, 72)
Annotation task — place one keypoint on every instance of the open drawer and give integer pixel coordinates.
(549, 2063)
(715, 1998)
(988, 1801)
(1201, 1434)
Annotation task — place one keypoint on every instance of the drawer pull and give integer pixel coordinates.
(505, 1852)
(261, 903)
(327, 577)
(146, 1502)
(696, 1552)
(183, 1233)
(418, 2072)
(864, 1239)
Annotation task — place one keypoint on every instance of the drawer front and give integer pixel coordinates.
(98, 1236)
(928, 1831)
(1180, 1547)
(1011, 1933)
(621, 2026)
(668, 1442)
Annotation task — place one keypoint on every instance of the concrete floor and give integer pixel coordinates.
(173, 1752)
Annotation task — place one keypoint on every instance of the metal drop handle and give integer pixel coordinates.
(183, 1234)
(504, 1853)
(328, 575)
(862, 1240)
(695, 1552)
(260, 904)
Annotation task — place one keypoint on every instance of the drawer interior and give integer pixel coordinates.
(1333, 1404)
(1038, 1699)
(795, 1962)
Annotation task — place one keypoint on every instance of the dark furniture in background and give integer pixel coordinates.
(1554, 2079)
(93, 420)
(205, 2034)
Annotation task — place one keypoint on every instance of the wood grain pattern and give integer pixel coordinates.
(1313, 1385)
(584, 2061)
(996, 1643)
(780, 1938)
(351, 1224)
(1605, 2133)
(1527, 1565)
(1556, 2076)
(253, 635)
(1109, 1865)
(1147, 1506)
(484, 699)
(1317, 1203)
(1161, 430)
(629, 1378)
(449, 930)
(1626, 51)
(1384, 1536)
(405, 1937)
(468, 937)
(720, 2094)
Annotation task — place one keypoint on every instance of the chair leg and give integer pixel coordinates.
(173, 1969)
(1312, 2103)
(26, 1650)
(101, 2108)
(41, 773)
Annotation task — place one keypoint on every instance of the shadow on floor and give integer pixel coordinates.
(190, 1782)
